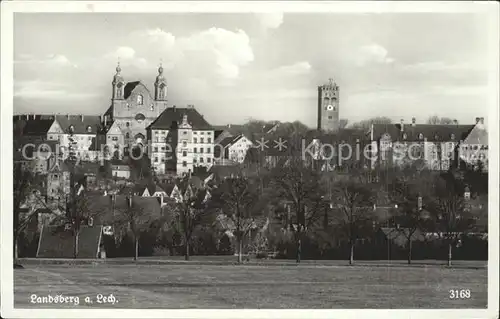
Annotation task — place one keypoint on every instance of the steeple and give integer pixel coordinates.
(160, 85)
(118, 84)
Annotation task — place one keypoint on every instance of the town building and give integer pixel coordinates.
(133, 108)
(180, 140)
(328, 107)
(435, 146)
(232, 150)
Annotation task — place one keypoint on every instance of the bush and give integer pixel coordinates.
(261, 255)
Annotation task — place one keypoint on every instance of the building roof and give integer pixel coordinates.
(431, 132)
(55, 242)
(477, 136)
(174, 115)
(400, 236)
(80, 123)
(130, 86)
(37, 126)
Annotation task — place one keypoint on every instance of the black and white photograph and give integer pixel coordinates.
(249, 159)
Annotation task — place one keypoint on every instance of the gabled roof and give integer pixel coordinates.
(130, 86)
(399, 236)
(477, 136)
(80, 124)
(175, 114)
(431, 132)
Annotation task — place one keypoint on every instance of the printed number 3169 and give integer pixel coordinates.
(460, 294)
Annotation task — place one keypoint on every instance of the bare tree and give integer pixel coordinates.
(189, 212)
(135, 218)
(297, 185)
(410, 190)
(238, 198)
(354, 199)
(449, 208)
(366, 124)
(434, 119)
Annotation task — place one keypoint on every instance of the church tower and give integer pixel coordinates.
(328, 106)
(160, 86)
(118, 84)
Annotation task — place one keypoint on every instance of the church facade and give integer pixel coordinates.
(328, 107)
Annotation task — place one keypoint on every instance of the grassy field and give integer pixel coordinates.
(250, 286)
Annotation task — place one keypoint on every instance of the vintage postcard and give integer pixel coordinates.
(249, 159)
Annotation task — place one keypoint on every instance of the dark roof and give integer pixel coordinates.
(129, 87)
(37, 127)
(432, 132)
(80, 125)
(55, 242)
(223, 171)
(399, 236)
(175, 114)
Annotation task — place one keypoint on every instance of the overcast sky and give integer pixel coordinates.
(233, 67)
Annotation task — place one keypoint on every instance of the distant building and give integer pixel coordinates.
(474, 149)
(328, 107)
(436, 146)
(232, 150)
(133, 108)
(180, 140)
(120, 169)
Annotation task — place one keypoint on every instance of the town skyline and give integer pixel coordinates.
(257, 66)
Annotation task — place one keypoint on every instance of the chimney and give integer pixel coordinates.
(481, 120)
(229, 126)
(105, 120)
(82, 117)
(455, 121)
(402, 125)
(477, 120)
(413, 121)
(67, 116)
(173, 107)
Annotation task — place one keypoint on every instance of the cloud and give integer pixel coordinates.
(270, 20)
(298, 68)
(212, 52)
(432, 66)
(49, 60)
(126, 56)
(40, 90)
(373, 53)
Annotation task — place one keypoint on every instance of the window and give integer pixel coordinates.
(202, 133)
(201, 150)
(156, 159)
(184, 133)
(152, 107)
(208, 149)
(156, 149)
(156, 132)
(139, 99)
(208, 160)
(184, 144)
(127, 135)
(201, 159)
(163, 132)
(184, 164)
(89, 129)
(195, 133)
(163, 160)
(195, 140)
(452, 136)
(127, 124)
(195, 150)
(163, 148)
(56, 176)
(90, 138)
(71, 128)
(195, 160)
(209, 133)
(209, 140)
(420, 136)
(184, 153)
(201, 140)
(330, 117)
(405, 136)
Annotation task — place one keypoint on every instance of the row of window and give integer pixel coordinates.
(195, 160)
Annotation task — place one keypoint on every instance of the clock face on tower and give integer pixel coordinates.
(329, 107)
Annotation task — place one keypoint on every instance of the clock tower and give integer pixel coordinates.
(328, 106)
